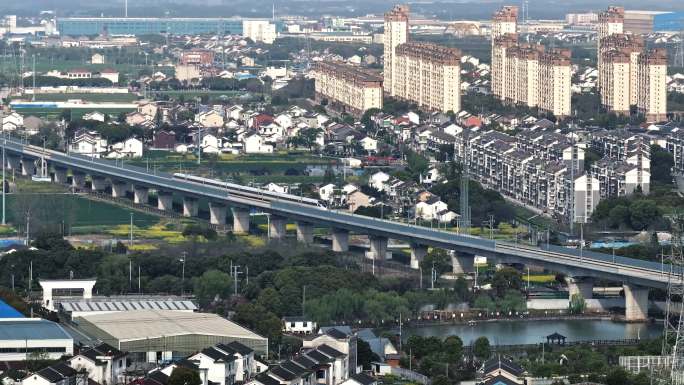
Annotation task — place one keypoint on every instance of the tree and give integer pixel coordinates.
(643, 213)
(364, 355)
(577, 304)
(453, 348)
(184, 376)
(437, 258)
(481, 348)
(211, 285)
(662, 162)
(506, 279)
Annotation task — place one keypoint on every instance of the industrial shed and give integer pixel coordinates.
(155, 335)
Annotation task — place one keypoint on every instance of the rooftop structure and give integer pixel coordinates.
(7, 311)
(78, 26)
(19, 337)
(172, 332)
(102, 305)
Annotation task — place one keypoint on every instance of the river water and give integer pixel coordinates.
(534, 332)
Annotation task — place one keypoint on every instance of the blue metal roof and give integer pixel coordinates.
(31, 329)
(7, 311)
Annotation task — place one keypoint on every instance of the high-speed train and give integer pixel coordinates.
(248, 192)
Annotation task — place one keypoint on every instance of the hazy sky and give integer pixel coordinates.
(460, 9)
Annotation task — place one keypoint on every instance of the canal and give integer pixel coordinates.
(525, 332)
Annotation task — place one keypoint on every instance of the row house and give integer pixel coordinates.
(529, 169)
(323, 365)
(675, 145)
(620, 178)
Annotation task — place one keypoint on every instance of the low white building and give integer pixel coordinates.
(254, 144)
(220, 365)
(20, 337)
(12, 121)
(299, 325)
(129, 148)
(57, 374)
(88, 143)
(103, 363)
(95, 115)
(379, 180)
(369, 144)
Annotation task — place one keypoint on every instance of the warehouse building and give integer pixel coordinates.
(23, 338)
(157, 336)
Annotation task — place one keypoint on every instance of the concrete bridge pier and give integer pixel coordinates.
(305, 232)
(340, 240)
(14, 163)
(119, 189)
(580, 285)
(98, 183)
(462, 264)
(190, 207)
(60, 175)
(278, 227)
(636, 302)
(140, 195)
(78, 180)
(28, 167)
(217, 213)
(378, 247)
(418, 252)
(164, 200)
(240, 220)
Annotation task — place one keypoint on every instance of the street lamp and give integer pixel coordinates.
(182, 260)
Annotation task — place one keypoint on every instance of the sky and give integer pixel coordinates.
(454, 9)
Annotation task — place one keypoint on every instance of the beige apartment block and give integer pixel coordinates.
(423, 73)
(528, 75)
(615, 73)
(554, 90)
(652, 89)
(428, 75)
(628, 74)
(396, 33)
(347, 88)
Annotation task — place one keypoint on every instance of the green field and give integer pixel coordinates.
(55, 113)
(85, 215)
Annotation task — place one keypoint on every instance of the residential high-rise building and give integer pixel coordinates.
(347, 88)
(618, 71)
(428, 75)
(628, 74)
(504, 35)
(525, 74)
(554, 86)
(423, 73)
(396, 33)
(652, 85)
(261, 31)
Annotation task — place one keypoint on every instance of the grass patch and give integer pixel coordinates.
(253, 240)
(142, 247)
(540, 278)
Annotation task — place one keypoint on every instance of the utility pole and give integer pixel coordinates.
(235, 276)
(182, 260)
(4, 218)
(130, 234)
(199, 145)
(303, 298)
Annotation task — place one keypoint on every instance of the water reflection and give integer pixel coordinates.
(532, 332)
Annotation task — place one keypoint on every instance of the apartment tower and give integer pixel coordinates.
(525, 74)
(629, 75)
(504, 31)
(652, 85)
(396, 33)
